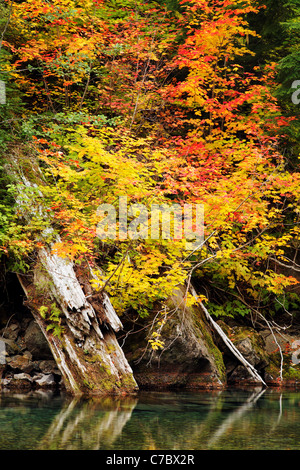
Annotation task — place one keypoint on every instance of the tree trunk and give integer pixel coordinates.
(82, 339)
(79, 326)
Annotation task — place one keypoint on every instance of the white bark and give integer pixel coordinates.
(87, 354)
(110, 312)
(66, 290)
(83, 337)
(252, 371)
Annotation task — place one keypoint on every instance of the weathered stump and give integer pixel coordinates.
(83, 344)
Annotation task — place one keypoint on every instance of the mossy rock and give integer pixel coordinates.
(189, 358)
(251, 345)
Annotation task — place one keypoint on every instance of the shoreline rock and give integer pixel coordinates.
(186, 363)
(27, 363)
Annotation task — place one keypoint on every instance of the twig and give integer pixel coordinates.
(86, 87)
(288, 266)
(7, 23)
(118, 266)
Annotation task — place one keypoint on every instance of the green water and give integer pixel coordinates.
(227, 420)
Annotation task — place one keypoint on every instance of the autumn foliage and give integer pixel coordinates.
(132, 98)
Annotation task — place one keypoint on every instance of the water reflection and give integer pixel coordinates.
(235, 416)
(95, 423)
(230, 419)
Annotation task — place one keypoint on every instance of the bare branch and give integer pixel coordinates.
(252, 371)
(7, 23)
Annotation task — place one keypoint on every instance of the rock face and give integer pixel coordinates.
(27, 362)
(36, 343)
(251, 345)
(193, 357)
(274, 355)
(189, 359)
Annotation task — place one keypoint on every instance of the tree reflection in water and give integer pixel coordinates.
(93, 423)
(229, 419)
(236, 415)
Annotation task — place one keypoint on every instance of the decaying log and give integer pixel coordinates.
(87, 353)
(84, 347)
(252, 371)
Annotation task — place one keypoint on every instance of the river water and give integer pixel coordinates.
(208, 420)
